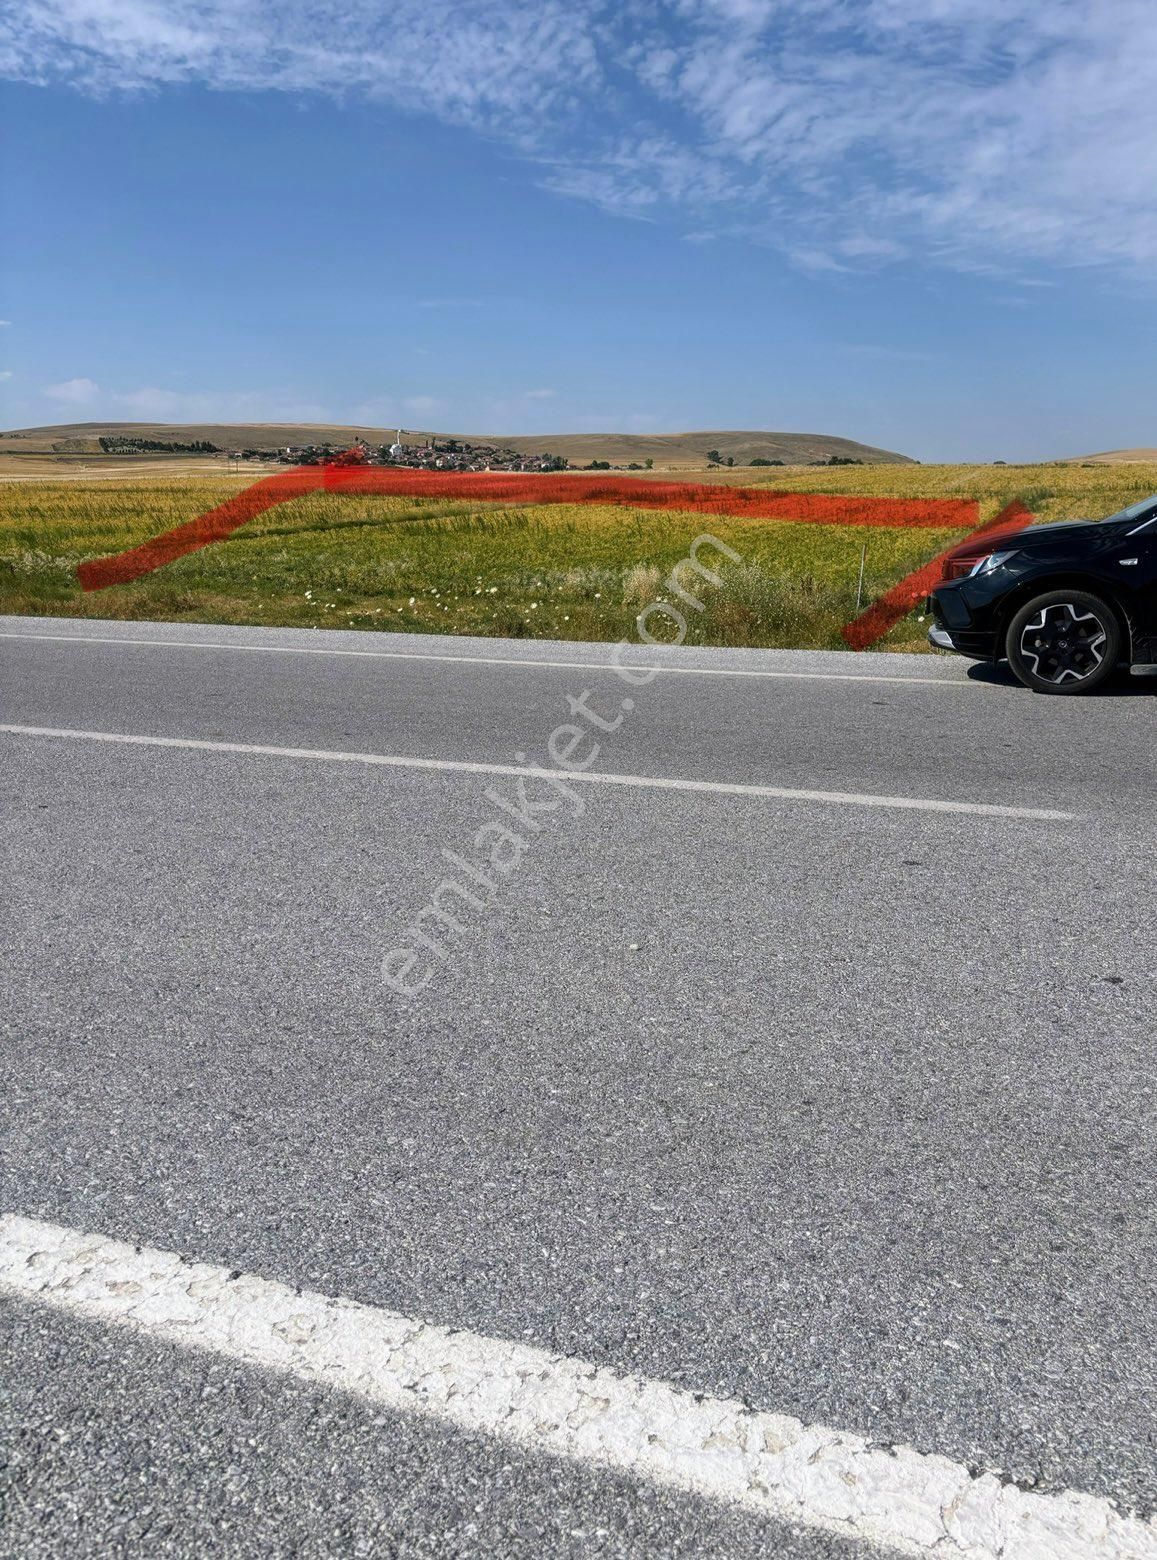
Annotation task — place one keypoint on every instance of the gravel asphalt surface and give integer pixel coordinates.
(844, 1111)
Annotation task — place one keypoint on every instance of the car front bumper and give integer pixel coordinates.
(966, 617)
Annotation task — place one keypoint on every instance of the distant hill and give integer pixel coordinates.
(665, 449)
(1140, 457)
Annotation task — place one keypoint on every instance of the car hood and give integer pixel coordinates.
(959, 561)
(1033, 533)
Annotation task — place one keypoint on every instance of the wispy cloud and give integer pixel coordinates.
(498, 69)
(152, 403)
(73, 392)
(5, 373)
(851, 133)
(816, 260)
(156, 403)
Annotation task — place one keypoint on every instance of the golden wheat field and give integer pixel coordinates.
(552, 571)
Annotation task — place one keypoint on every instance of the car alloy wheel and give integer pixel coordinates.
(1064, 642)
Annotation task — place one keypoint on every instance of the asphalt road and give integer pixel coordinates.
(843, 1110)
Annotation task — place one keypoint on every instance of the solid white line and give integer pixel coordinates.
(567, 776)
(485, 660)
(806, 1474)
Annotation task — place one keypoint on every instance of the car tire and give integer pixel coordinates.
(1067, 642)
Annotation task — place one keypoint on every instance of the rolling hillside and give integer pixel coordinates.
(665, 449)
(1137, 457)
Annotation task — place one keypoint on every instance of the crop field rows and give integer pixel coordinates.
(576, 564)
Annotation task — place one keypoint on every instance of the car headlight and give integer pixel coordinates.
(992, 561)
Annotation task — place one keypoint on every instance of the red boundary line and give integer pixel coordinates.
(497, 487)
(896, 603)
(213, 526)
(633, 493)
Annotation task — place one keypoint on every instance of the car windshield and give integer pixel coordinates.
(1138, 511)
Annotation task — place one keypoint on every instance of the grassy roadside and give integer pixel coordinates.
(565, 572)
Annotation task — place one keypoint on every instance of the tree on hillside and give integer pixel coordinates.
(714, 458)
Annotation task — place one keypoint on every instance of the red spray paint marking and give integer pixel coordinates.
(499, 487)
(884, 614)
(696, 497)
(212, 526)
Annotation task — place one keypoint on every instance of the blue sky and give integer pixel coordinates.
(927, 224)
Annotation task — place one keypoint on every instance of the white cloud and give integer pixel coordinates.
(154, 404)
(981, 129)
(5, 373)
(816, 260)
(646, 177)
(540, 395)
(4, 322)
(851, 133)
(73, 392)
(520, 58)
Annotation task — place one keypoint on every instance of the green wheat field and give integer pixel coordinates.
(550, 572)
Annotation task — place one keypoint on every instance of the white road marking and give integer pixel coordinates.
(532, 772)
(808, 1475)
(487, 660)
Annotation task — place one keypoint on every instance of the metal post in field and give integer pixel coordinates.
(860, 582)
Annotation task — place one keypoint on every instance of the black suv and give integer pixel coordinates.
(1066, 605)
